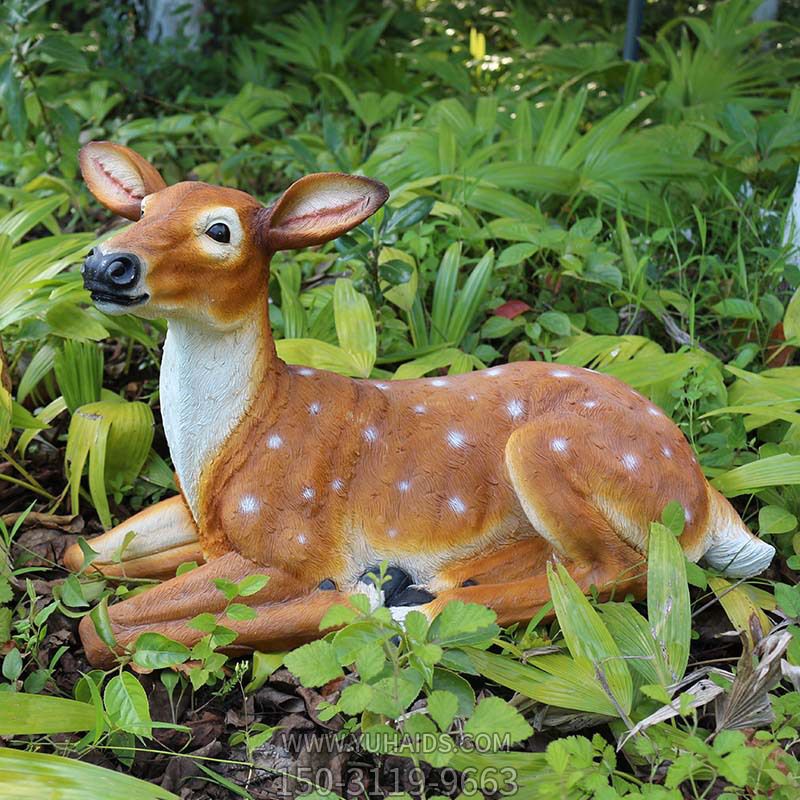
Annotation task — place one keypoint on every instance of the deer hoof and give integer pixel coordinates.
(397, 581)
(411, 596)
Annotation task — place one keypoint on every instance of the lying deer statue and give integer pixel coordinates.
(468, 484)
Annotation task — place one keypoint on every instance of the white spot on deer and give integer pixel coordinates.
(314, 408)
(559, 445)
(337, 484)
(419, 408)
(457, 505)
(472, 397)
(301, 538)
(590, 403)
(306, 372)
(249, 504)
(561, 373)
(653, 411)
(515, 408)
(456, 439)
(274, 441)
(370, 434)
(382, 386)
(439, 382)
(494, 372)
(687, 515)
(630, 461)
(404, 486)
(308, 493)
(667, 451)
(392, 533)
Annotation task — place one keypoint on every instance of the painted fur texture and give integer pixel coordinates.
(469, 484)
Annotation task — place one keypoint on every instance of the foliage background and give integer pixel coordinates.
(549, 201)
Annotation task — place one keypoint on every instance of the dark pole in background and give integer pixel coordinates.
(633, 28)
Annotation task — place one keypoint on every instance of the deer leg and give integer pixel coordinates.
(288, 610)
(165, 537)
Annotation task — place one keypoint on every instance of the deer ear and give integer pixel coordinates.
(320, 207)
(118, 177)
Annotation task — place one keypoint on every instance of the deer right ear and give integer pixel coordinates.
(118, 177)
(320, 207)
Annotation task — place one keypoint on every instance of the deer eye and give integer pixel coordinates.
(219, 232)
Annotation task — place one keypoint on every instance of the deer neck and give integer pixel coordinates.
(208, 381)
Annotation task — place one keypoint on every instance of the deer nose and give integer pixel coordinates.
(115, 271)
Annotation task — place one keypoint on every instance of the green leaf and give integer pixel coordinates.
(355, 326)
(126, 705)
(264, 664)
(115, 436)
(102, 624)
(673, 517)
(13, 101)
(556, 322)
(778, 470)
(154, 651)
(252, 584)
(28, 714)
(12, 664)
(442, 707)
(35, 776)
(444, 292)
(355, 698)
(668, 602)
(736, 308)
(501, 723)
(469, 299)
(240, 612)
(587, 637)
(776, 519)
(463, 623)
(314, 664)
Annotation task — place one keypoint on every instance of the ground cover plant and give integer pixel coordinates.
(549, 201)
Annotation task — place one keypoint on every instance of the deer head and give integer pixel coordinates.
(202, 252)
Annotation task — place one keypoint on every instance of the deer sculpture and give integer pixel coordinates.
(465, 484)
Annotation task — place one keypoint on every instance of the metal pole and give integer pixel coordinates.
(633, 27)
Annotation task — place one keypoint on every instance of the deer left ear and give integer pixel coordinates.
(320, 207)
(118, 177)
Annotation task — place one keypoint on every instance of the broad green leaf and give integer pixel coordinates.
(41, 714)
(264, 664)
(319, 355)
(355, 326)
(154, 651)
(636, 640)
(314, 664)
(775, 519)
(587, 637)
(79, 373)
(668, 603)
(737, 308)
(442, 707)
(463, 623)
(28, 775)
(779, 470)
(494, 720)
(126, 704)
(738, 605)
(469, 299)
(115, 436)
